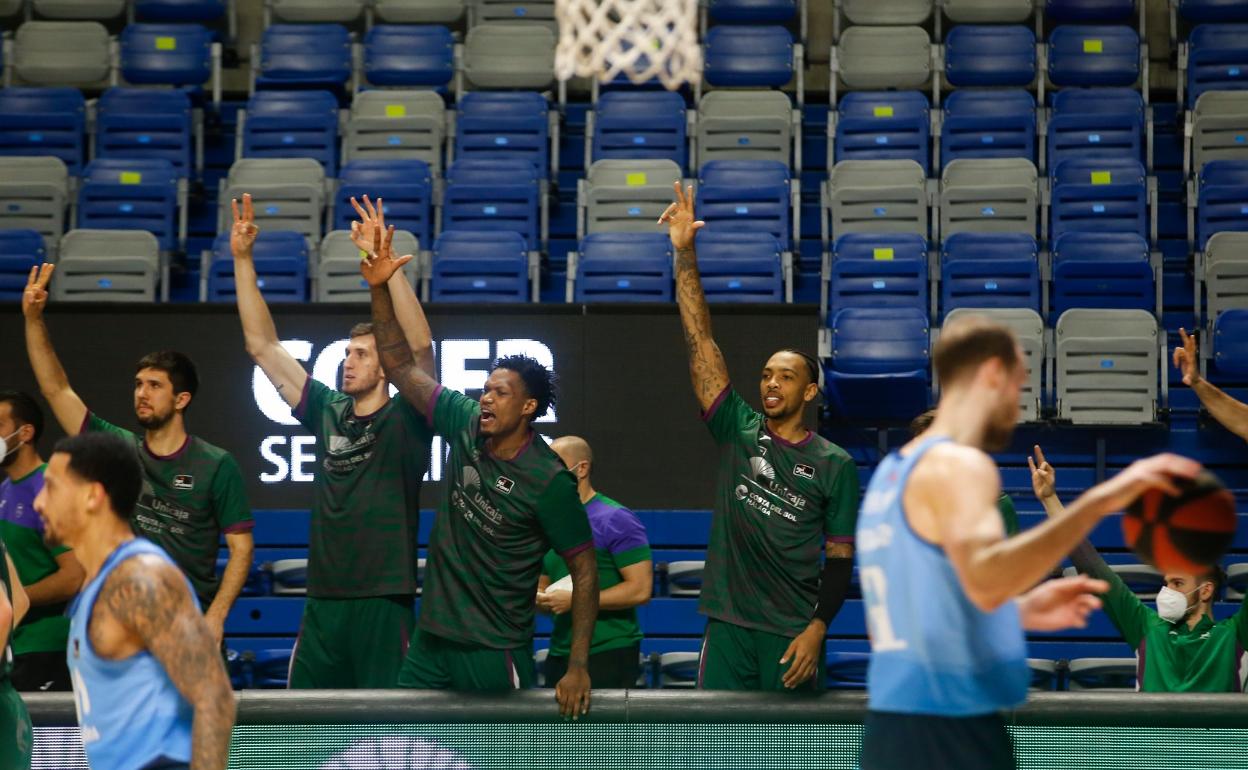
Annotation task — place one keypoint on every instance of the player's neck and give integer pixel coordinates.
(508, 447)
(962, 417)
(168, 438)
(586, 490)
(25, 464)
(98, 542)
(790, 428)
(368, 403)
(1194, 619)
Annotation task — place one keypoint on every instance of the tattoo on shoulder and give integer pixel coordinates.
(144, 594)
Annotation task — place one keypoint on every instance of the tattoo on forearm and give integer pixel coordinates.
(584, 569)
(396, 354)
(706, 364)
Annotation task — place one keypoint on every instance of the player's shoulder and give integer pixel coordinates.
(828, 451)
(949, 459)
(209, 451)
(144, 575)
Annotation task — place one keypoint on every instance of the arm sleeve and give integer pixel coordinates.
(453, 412)
(628, 543)
(728, 415)
(841, 518)
(562, 516)
(229, 499)
(1124, 608)
(1009, 515)
(96, 423)
(833, 588)
(311, 404)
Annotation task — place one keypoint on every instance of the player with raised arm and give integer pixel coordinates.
(947, 595)
(372, 451)
(786, 497)
(149, 685)
(16, 734)
(192, 490)
(1225, 408)
(509, 499)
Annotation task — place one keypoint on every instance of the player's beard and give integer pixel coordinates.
(155, 421)
(999, 432)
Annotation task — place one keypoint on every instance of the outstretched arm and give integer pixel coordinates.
(707, 369)
(69, 409)
(1233, 414)
(259, 333)
(151, 599)
(396, 354)
(572, 691)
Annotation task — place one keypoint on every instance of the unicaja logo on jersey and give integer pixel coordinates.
(741, 491)
(472, 479)
(762, 469)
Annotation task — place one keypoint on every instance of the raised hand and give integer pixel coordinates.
(35, 297)
(1056, 605)
(1043, 477)
(1156, 472)
(1185, 359)
(365, 230)
(681, 223)
(243, 233)
(380, 263)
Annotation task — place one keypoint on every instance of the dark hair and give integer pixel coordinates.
(111, 461)
(179, 367)
(812, 366)
(969, 341)
(539, 382)
(362, 329)
(1217, 576)
(922, 422)
(25, 410)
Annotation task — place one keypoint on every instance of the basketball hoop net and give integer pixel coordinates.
(640, 39)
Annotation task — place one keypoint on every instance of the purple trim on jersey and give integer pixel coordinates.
(86, 420)
(574, 550)
(810, 436)
(709, 412)
(841, 539)
(165, 458)
(241, 526)
(528, 442)
(616, 529)
(433, 404)
(301, 408)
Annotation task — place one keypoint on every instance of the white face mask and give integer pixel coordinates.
(1172, 604)
(5, 449)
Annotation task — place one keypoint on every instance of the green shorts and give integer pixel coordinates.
(16, 736)
(436, 663)
(739, 658)
(352, 643)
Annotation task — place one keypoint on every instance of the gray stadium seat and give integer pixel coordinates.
(990, 195)
(988, 11)
(625, 196)
(679, 670)
(107, 265)
(62, 53)
(883, 57)
(10, 8)
(79, 10)
(1043, 669)
(876, 196)
(396, 124)
(289, 194)
(315, 11)
(510, 12)
(890, 12)
(418, 11)
(290, 577)
(684, 578)
(539, 666)
(1107, 366)
(1225, 270)
(1028, 326)
(338, 270)
(509, 56)
(34, 192)
(1102, 674)
(1218, 123)
(745, 125)
(1236, 581)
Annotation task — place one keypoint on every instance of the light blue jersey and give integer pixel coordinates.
(129, 712)
(933, 652)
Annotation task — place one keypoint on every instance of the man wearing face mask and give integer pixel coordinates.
(1181, 648)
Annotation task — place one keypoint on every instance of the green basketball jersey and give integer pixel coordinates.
(46, 627)
(776, 505)
(497, 520)
(366, 511)
(6, 665)
(188, 499)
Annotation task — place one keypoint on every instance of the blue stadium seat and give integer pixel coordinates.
(1217, 59)
(1096, 123)
(479, 267)
(292, 124)
(179, 10)
(1199, 11)
(131, 194)
(166, 54)
(281, 259)
(640, 124)
(405, 187)
(883, 125)
(1102, 196)
(514, 124)
(493, 194)
(989, 124)
(409, 55)
(879, 364)
(990, 270)
(1222, 199)
(624, 267)
(1075, 11)
(44, 121)
(271, 667)
(983, 55)
(740, 266)
(20, 250)
(884, 271)
(304, 55)
(1094, 55)
(1102, 270)
(752, 11)
(746, 195)
(146, 123)
(1230, 344)
(757, 57)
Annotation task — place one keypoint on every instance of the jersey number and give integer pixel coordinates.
(880, 626)
(82, 701)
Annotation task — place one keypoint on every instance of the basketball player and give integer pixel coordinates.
(1179, 645)
(16, 733)
(946, 594)
(509, 499)
(786, 496)
(372, 451)
(192, 491)
(149, 685)
(625, 575)
(1005, 503)
(1226, 409)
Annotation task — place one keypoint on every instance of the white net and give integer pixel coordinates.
(640, 39)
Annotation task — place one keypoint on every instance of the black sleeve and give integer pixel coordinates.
(833, 586)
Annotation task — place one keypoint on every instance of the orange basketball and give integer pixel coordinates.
(1186, 533)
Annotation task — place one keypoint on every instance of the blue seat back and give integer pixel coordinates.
(756, 57)
(1094, 55)
(879, 340)
(1095, 195)
(1217, 59)
(304, 54)
(990, 270)
(898, 281)
(1101, 270)
(166, 54)
(740, 266)
(20, 250)
(44, 121)
(624, 267)
(983, 55)
(1230, 344)
(493, 194)
(989, 124)
(1198, 11)
(487, 266)
(1222, 199)
(409, 55)
(405, 187)
(513, 124)
(293, 124)
(281, 259)
(130, 194)
(746, 195)
(884, 125)
(145, 123)
(641, 125)
(1096, 123)
(752, 11)
(1075, 11)
(179, 10)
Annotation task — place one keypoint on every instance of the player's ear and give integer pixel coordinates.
(530, 406)
(811, 393)
(182, 400)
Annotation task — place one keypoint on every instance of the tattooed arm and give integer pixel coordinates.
(707, 369)
(397, 358)
(149, 597)
(572, 691)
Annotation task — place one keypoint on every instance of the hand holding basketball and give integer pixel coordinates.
(1184, 532)
(1160, 472)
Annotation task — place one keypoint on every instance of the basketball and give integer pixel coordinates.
(1184, 533)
